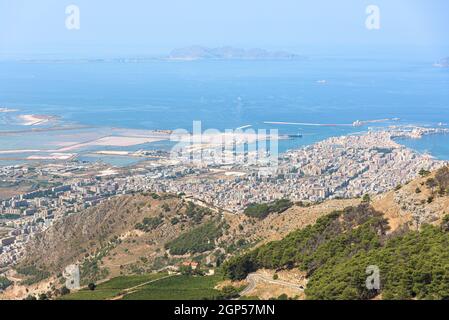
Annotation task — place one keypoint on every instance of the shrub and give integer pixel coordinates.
(64, 291)
(261, 211)
(149, 224)
(366, 198)
(229, 292)
(4, 283)
(198, 240)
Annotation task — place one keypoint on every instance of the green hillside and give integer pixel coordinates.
(113, 287)
(153, 287)
(179, 288)
(336, 251)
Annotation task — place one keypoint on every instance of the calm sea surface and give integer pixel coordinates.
(227, 95)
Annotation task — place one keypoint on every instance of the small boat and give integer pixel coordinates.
(294, 135)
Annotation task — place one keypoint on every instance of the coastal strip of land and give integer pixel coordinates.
(34, 120)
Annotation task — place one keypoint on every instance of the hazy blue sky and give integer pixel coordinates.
(145, 26)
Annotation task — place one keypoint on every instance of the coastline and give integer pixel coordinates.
(35, 120)
(7, 110)
(122, 142)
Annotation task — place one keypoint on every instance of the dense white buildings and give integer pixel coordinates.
(340, 167)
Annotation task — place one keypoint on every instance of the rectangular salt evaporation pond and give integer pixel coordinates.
(41, 144)
(60, 144)
(45, 139)
(27, 141)
(116, 161)
(63, 139)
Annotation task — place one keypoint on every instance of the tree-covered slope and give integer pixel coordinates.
(412, 266)
(338, 249)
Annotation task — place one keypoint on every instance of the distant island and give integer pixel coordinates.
(444, 63)
(191, 53)
(228, 53)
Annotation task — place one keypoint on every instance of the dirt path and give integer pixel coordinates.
(254, 278)
(133, 289)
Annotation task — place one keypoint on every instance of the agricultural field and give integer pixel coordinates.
(178, 288)
(152, 287)
(114, 287)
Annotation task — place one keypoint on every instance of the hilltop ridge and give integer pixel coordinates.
(407, 245)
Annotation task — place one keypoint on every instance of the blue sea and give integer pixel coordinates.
(227, 95)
